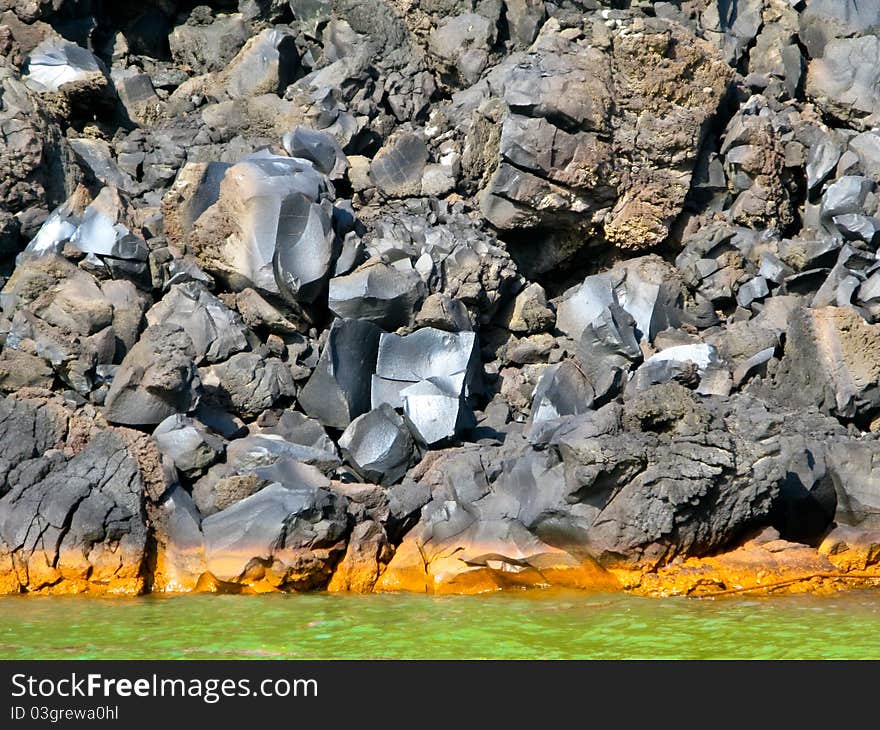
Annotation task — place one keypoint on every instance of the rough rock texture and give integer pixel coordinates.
(606, 153)
(278, 538)
(440, 296)
(73, 505)
(156, 379)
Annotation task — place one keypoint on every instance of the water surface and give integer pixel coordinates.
(532, 625)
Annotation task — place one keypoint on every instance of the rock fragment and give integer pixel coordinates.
(378, 445)
(339, 389)
(157, 379)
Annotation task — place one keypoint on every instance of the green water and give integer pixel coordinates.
(502, 626)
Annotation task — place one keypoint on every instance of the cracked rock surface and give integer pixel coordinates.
(439, 296)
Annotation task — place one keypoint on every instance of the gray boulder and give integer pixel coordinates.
(270, 229)
(462, 45)
(267, 64)
(829, 364)
(844, 81)
(157, 379)
(297, 428)
(430, 374)
(378, 445)
(259, 459)
(100, 230)
(437, 409)
(397, 168)
(319, 148)
(824, 20)
(563, 390)
(385, 295)
(279, 538)
(215, 330)
(208, 47)
(188, 444)
(247, 383)
(683, 363)
(57, 64)
(339, 389)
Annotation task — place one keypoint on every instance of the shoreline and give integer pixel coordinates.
(763, 566)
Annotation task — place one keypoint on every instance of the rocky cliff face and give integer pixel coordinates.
(444, 296)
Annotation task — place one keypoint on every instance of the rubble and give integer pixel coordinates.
(454, 299)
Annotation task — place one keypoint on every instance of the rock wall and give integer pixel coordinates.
(441, 296)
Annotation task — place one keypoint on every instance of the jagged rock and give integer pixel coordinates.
(733, 25)
(310, 14)
(760, 170)
(378, 445)
(531, 311)
(368, 550)
(63, 315)
(188, 444)
(557, 170)
(257, 460)
(858, 227)
(822, 159)
(430, 374)
(215, 330)
(684, 363)
(830, 362)
(385, 295)
(247, 383)
(844, 81)
(451, 254)
(524, 18)
(607, 350)
(824, 20)
(668, 475)
(57, 65)
(753, 290)
(856, 475)
(157, 379)
(846, 195)
(266, 64)
(440, 178)
(279, 538)
(206, 48)
(319, 148)
(851, 548)
(339, 389)
(98, 231)
(20, 369)
(397, 168)
(72, 520)
(563, 390)
(196, 188)
(582, 305)
(644, 287)
(437, 409)
(137, 94)
(257, 312)
(428, 354)
(445, 313)
(180, 545)
(269, 229)
(97, 156)
(297, 428)
(462, 45)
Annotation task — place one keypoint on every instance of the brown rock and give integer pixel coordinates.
(367, 553)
